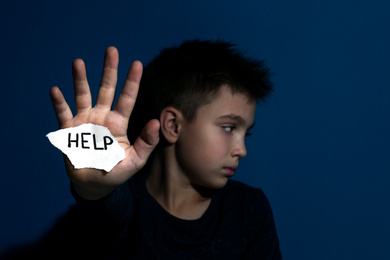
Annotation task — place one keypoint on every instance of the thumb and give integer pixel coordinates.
(147, 141)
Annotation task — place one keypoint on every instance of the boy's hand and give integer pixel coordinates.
(94, 184)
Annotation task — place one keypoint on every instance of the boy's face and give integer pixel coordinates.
(210, 146)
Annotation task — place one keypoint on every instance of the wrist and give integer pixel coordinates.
(92, 193)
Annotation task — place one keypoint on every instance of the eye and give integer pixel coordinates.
(228, 129)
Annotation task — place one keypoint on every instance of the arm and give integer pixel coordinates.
(92, 184)
(93, 227)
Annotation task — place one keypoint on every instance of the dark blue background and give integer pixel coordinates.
(320, 148)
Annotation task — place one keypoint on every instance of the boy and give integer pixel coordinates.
(197, 102)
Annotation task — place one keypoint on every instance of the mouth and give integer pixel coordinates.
(230, 170)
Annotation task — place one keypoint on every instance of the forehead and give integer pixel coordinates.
(229, 105)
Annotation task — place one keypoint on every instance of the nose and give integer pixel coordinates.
(239, 149)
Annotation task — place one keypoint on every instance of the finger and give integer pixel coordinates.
(129, 92)
(61, 108)
(81, 88)
(146, 142)
(109, 79)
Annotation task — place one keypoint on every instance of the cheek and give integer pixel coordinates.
(213, 148)
(218, 147)
(201, 149)
(204, 145)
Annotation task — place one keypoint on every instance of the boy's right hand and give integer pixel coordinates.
(90, 183)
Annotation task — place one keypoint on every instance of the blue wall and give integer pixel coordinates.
(320, 148)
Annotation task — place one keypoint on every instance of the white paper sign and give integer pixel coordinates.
(88, 146)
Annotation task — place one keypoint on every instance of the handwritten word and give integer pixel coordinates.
(85, 140)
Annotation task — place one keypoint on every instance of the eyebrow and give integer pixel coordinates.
(236, 118)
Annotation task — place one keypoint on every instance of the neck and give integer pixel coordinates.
(173, 190)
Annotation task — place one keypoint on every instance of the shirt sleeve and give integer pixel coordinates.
(90, 229)
(112, 210)
(107, 218)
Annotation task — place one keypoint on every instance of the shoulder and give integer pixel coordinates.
(243, 192)
(254, 213)
(249, 202)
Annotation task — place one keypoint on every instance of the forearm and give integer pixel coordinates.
(110, 211)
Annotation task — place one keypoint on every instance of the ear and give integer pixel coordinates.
(171, 122)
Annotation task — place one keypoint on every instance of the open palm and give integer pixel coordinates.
(92, 183)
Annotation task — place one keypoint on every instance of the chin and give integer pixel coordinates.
(215, 185)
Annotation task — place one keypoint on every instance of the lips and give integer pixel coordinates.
(230, 170)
